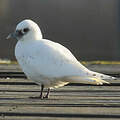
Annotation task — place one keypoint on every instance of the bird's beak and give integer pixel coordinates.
(11, 35)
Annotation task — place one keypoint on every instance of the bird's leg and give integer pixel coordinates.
(41, 93)
(47, 95)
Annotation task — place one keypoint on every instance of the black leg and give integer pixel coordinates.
(47, 95)
(41, 93)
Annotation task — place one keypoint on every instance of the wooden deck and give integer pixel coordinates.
(71, 102)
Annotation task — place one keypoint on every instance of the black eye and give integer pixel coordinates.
(25, 30)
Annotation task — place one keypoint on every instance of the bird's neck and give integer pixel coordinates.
(37, 36)
(32, 37)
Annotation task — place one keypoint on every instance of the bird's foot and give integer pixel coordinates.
(46, 97)
(37, 97)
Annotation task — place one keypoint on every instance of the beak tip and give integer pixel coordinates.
(8, 37)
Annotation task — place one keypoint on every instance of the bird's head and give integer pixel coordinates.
(26, 30)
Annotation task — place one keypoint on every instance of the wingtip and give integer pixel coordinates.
(114, 78)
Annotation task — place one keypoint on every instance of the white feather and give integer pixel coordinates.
(50, 63)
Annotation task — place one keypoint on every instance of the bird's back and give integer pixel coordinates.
(48, 58)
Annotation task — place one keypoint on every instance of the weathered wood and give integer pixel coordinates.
(71, 102)
(108, 69)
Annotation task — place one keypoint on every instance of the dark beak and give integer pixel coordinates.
(17, 35)
(11, 35)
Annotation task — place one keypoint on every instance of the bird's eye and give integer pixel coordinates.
(25, 30)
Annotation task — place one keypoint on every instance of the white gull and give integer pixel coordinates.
(48, 63)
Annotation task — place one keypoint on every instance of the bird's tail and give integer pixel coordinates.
(86, 80)
(101, 76)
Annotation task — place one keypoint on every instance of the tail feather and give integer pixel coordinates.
(86, 80)
(102, 76)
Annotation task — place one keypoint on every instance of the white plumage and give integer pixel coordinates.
(49, 63)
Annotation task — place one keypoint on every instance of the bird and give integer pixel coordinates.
(48, 63)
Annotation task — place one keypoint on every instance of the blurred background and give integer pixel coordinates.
(89, 28)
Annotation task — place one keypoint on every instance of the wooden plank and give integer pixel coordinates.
(108, 69)
(72, 102)
(78, 101)
(10, 68)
